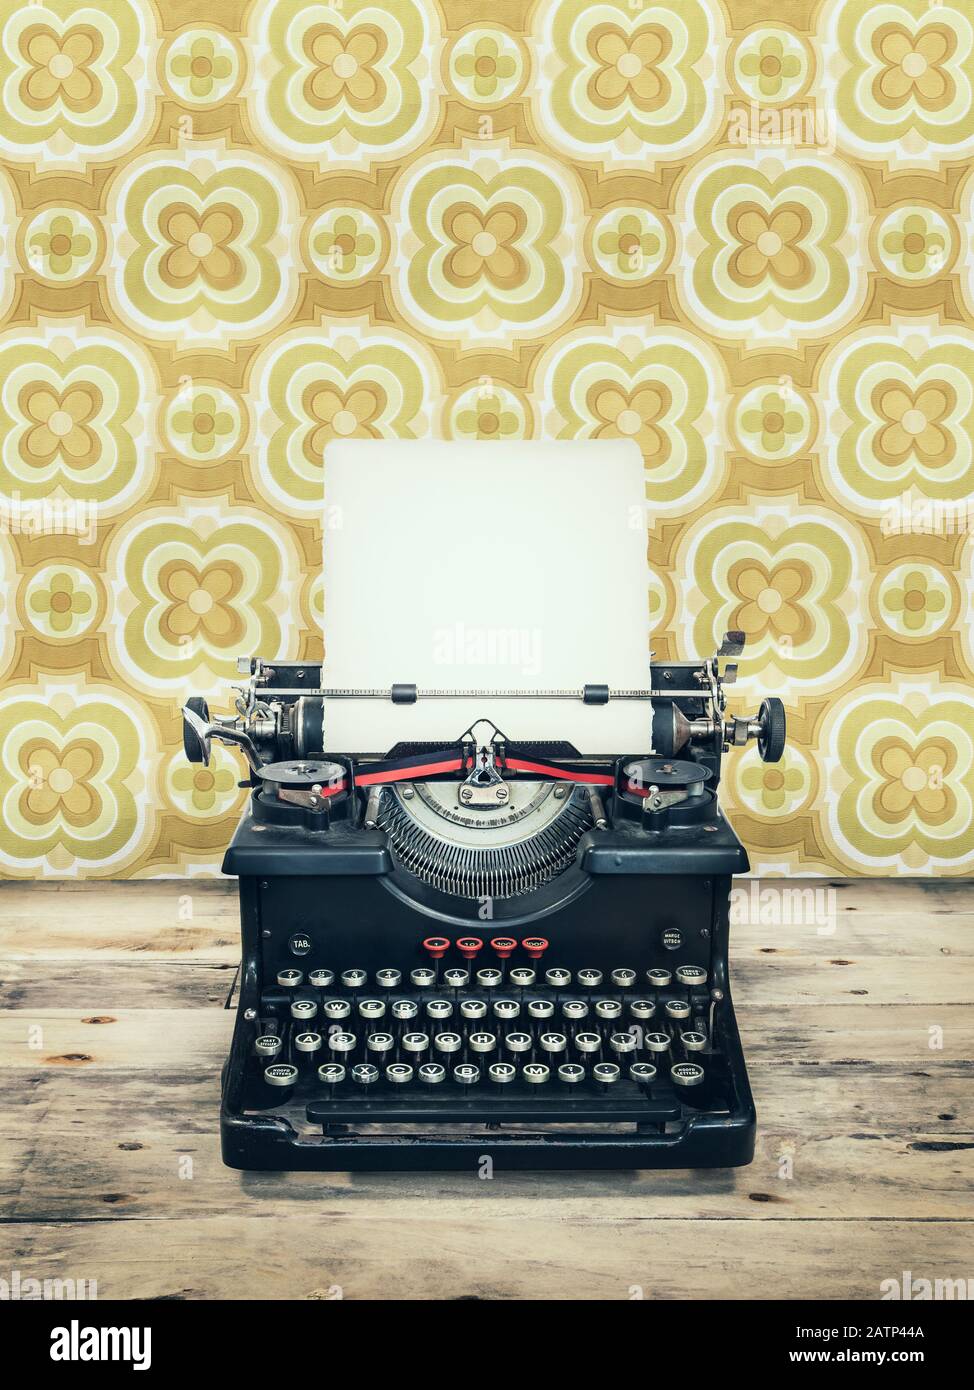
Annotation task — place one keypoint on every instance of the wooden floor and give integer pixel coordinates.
(114, 1029)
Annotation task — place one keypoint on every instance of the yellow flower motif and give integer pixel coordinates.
(338, 414)
(60, 68)
(915, 245)
(344, 244)
(61, 245)
(770, 244)
(629, 244)
(488, 419)
(201, 244)
(771, 599)
(61, 781)
(773, 421)
(203, 424)
(345, 67)
(201, 600)
(914, 66)
(771, 784)
(914, 779)
(60, 423)
(628, 66)
(61, 602)
(204, 784)
(485, 244)
(637, 414)
(770, 65)
(486, 66)
(916, 601)
(202, 67)
(914, 422)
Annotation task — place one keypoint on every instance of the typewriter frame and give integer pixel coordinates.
(689, 863)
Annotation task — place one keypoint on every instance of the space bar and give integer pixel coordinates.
(461, 1108)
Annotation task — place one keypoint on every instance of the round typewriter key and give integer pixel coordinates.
(399, 1073)
(422, 977)
(590, 979)
(268, 1045)
(468, 946)
(605, 1073)
(518, 1042)
(354, 979)
(466, 1074)
(677, 1008)
(553, 1043)
(558, 977)
(473, 1009)
(535, 946)
(587, 1042)
(608, 1009)
(371, 1008)
(379, 1043)
(659, 979)
(575, 1010)
(535, 1073)
(686, 1073)
(388, 979)
(321, 979)
(623, 979)
(503, 946)
(404, 1009)
(521, 976)
(447, 1042)
(281, 1074)
(432, 1073)
(336, 1008)
(289, 979)
(657, 1042)
(622, 1043)
(482, 1042)
(571, 1073)
(489, 978)
(642, 1008)
(456, 979)
(331, 1073)
(308, 1042)
(541, 1008)
(303, 1010)
(506, 1009)
(415, 1042)
(501, 1073)
(363, 1073)
(300, 944)
(436, 947)
(439, 1009)
(342, 1043)
(693, 976)
(694, 1041)
(643, 1073)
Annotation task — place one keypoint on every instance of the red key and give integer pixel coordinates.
(504, 945)
(468, 946)
(436, 946)
(535, 946)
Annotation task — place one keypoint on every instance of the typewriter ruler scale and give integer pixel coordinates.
(481, 942)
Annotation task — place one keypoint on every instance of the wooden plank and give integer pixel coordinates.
(880, 1146)
(415, 1254)
(99, 985)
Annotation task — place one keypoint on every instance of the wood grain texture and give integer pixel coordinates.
(113, 1030)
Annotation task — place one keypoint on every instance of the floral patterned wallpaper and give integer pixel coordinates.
(740, 234)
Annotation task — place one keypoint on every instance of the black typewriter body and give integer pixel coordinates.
(562, 1000)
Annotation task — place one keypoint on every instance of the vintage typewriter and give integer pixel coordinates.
(484, 946)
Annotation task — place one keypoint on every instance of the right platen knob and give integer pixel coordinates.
(774, 730)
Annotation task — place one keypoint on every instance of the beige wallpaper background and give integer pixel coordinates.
(738, 233)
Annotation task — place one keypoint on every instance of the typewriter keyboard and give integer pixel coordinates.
(504, 1043)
